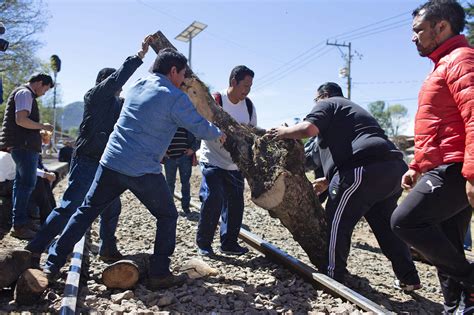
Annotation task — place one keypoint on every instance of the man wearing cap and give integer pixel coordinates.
(20, 136)
(102, 107)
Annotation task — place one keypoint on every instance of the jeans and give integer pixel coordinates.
(222, 195)
(468, 238)
(26, 162)
(108, 185)
(81, 175)
(183, 164)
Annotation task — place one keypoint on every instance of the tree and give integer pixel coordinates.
(377, 109)
(397, 114)
(470, 23)
(390, 118)
(23, 19)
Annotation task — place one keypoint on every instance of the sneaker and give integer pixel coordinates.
(35, 227)
(205, 252)
(406, 287)
(22, 232)
(235, 250)
(155, 283)
(466, 305)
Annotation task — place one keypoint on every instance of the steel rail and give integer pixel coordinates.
(308, 273)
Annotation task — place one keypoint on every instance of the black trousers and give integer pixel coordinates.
(372, 192)
(433, 219)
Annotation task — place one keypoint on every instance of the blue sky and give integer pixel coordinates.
(284, 42)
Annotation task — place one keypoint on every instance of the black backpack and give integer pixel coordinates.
(218, 97)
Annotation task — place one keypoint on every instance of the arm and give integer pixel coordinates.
(302, 130)
(185, 115)
(114, 83)
(22, 119)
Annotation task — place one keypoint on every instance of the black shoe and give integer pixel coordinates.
(35, 260)
(23, 232)
(52, 276)
(205, 252)
(110, 256)
(235, 250)
(155, 283)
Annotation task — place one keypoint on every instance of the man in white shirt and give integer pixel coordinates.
(222, 186)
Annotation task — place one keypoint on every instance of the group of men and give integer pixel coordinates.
(122, 144)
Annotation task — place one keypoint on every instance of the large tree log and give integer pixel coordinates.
(273, 169)
(29, 287)
(122, 274)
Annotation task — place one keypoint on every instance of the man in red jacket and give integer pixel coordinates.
(434, 216)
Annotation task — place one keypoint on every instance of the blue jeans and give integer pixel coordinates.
(81, 175)
(108, 185)
(26, 162)
(222, 195)
(183, 164)
(468, 238)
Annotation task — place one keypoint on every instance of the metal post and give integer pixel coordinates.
(349, 79)
(53, 143)
(190, 49)
(348, 59)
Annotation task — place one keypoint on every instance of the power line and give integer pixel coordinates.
(269, 78)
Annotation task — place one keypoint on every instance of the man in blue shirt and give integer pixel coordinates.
(154, 109)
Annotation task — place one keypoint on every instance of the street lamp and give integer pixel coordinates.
(188, 34)
(56, 66)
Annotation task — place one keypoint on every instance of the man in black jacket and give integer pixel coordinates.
(21, 137)
(102, 107)
(354, 152)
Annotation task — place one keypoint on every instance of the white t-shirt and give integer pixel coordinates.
(7, 167)
(23, 100)
(213, 152)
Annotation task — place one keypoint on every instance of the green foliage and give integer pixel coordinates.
(470, 22)
(73, 132)
(23, 19)
(390, 118)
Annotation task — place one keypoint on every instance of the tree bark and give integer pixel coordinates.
(29, 287)
(274, 169)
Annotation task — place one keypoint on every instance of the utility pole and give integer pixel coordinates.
(348, 59)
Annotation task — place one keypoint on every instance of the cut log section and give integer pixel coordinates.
(122, 274)
(273, 169)
(12, 263)
(29, 287)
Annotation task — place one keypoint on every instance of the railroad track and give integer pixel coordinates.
(322, 282)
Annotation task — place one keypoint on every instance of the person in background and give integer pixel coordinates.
(179, 156)
(20, 135)
(65, 153)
